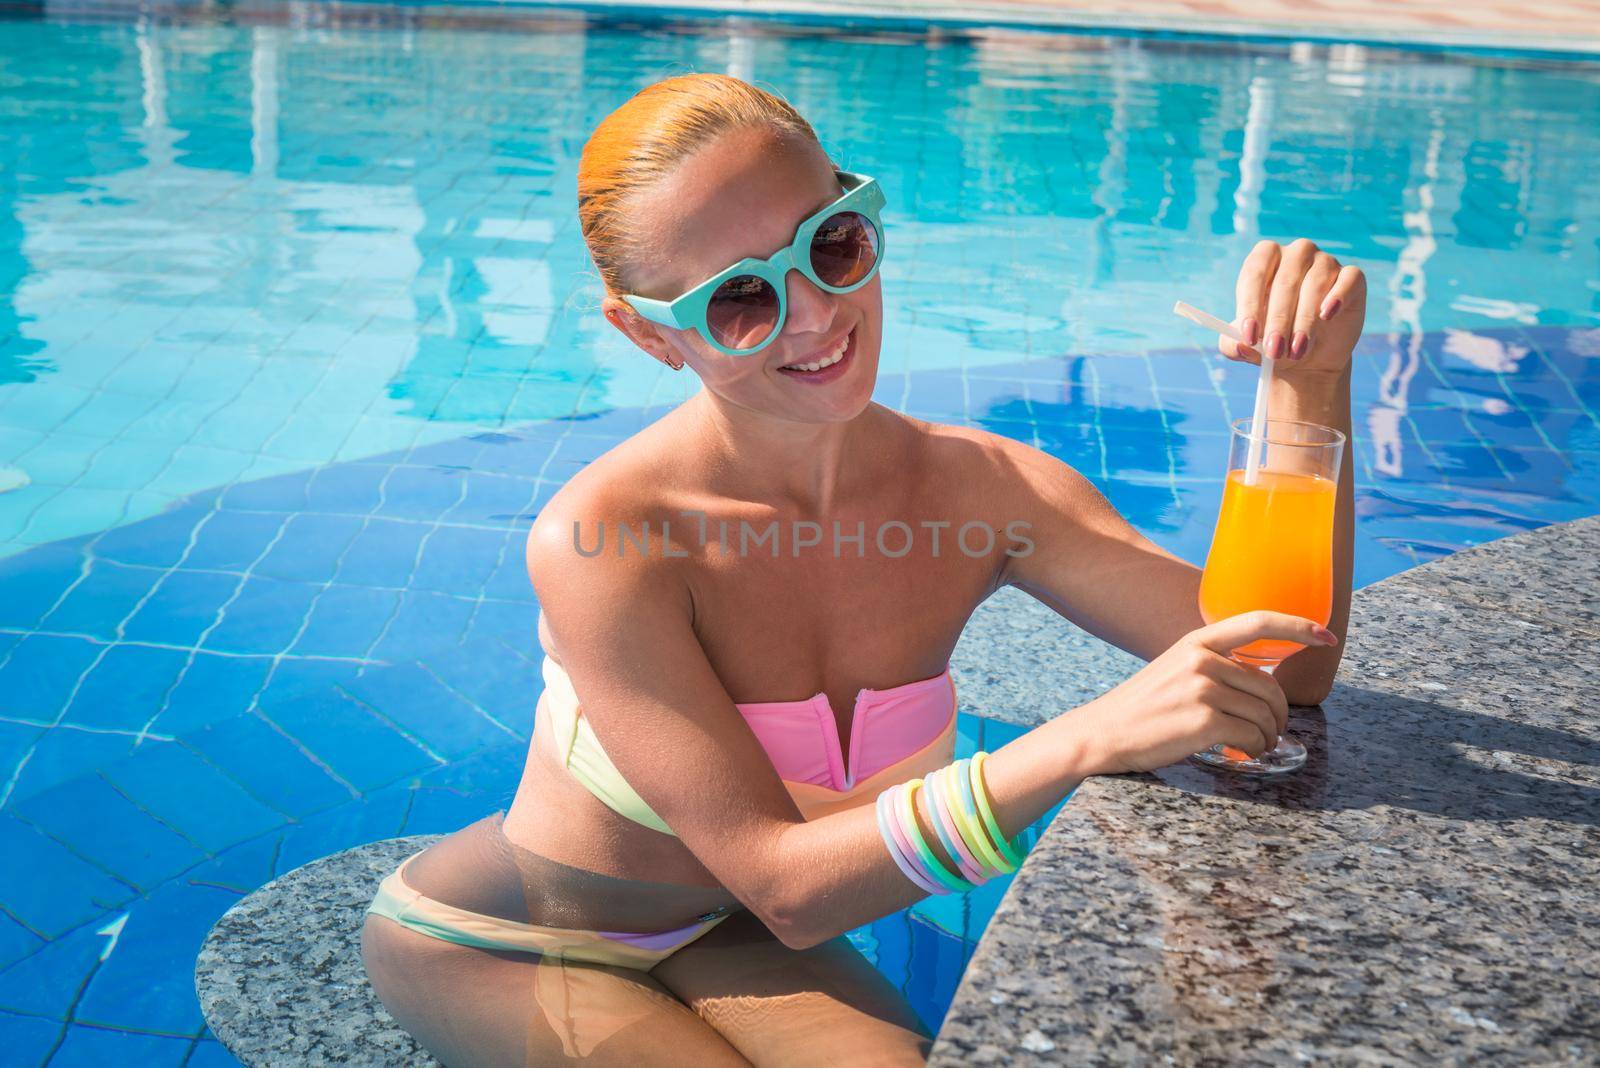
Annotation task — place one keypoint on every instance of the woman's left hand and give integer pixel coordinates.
(1297, 304)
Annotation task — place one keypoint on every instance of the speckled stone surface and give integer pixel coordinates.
(280, 976)
(1425, 891)
(1019, 661)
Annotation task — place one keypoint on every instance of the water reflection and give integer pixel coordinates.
(236, 250)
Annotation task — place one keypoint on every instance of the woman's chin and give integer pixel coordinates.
(847, 393)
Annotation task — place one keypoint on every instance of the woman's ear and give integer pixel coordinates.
(639, 330)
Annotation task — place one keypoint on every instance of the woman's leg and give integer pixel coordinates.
(475, 1008)
(780, 1006)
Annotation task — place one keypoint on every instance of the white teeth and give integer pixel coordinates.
(838, 354)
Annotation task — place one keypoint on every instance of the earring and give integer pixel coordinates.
(675, 366)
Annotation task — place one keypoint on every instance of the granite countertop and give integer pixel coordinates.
(1425, 890)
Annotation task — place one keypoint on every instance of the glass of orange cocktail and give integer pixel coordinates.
(1273, 549)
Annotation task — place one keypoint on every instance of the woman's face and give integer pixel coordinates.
(743, 195)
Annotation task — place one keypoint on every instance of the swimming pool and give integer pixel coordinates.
(297, 332)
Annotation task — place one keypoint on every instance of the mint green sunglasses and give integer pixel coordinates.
(740, 310)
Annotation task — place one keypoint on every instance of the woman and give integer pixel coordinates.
(729, 690)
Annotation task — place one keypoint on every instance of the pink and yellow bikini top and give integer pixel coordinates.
(897, 734)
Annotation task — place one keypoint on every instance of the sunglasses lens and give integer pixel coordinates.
(742, 312)
(844, 249)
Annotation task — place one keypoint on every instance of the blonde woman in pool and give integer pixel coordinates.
(744, 744)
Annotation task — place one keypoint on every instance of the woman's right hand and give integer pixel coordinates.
(1194, 696)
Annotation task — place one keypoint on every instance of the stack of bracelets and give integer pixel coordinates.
(962, 818)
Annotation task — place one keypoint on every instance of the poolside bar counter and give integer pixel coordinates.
(1426, 890)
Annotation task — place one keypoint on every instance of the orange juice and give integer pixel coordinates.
(1273, 549)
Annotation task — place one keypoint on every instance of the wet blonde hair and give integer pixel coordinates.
(650, 134)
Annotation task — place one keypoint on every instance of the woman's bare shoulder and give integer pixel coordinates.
(958, 453)
(631, 485)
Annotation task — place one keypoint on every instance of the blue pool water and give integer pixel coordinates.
(297, 332)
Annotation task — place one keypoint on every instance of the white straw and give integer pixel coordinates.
(1258, 422)
(1210, 322)
(1258, 419)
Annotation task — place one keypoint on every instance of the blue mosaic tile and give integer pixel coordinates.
(380, 814)
(465, 452)
(421, 492)
(383, 553)
(360, 748)
(419, 704)
(213, 688)
(264, 618)
(155, 542)
(505, 686)
(123, 468)
(41, 673)
(94, 1047)
(209, 1053)
(16, 941)
(346, 621)
(28, 1039)
(99, 603)
(444, 810)
(309, 548)
(126, 688)
(426, 621)
(282, 493)
(351, 489)
(191, 796)
(147, 980)
(241, 868)
(488, 774)
(269, 765)
(109, 830)
(47, 982)
(59, 755)
(181, 608)
(231, 541)
(499, 499)
(1193, 371)
(526, 453)
(457, 559)
(17, 740)
(509, 580)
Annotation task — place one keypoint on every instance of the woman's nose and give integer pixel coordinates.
(810, 306)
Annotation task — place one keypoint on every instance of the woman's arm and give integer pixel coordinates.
(621, 627)
(1090, 565)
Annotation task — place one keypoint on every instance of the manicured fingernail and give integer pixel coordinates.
(1249, 329)
(1326, 636)
(1302, 341)
(1331, 308)
(1275, 345)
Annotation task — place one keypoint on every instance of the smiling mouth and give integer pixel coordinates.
(819, 363)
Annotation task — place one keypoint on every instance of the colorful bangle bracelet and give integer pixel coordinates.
(950, 796)
(981, 791)
(932, 872)
(897, 827)
(930, 863)
(971, 823)
(944, 825)
(900, 861)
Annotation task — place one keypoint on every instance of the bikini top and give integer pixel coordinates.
(896, 735)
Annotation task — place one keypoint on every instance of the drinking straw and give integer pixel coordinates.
(1258, 418)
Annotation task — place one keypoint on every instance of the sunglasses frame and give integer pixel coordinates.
(862, 195)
